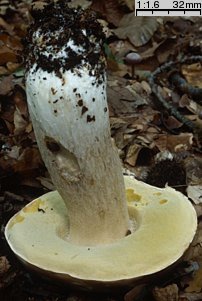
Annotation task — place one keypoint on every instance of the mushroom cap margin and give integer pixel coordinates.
(165, 226)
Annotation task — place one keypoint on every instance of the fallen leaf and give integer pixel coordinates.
(20, 102)
(198, 209)
(110, 9)
(195, 193)
(7, 55)
(8, 28)
(4, 265)
(11, 42)
(6, 85)
(165, 49)
(46, 182)
(135, 292)
(139, 93)
(29, 159)
(129, 3)
(181, 24)
(19, 122)
(146, 87)
(174, 143)
(195, 283)
(122, 97)
(168, 293)
(5, 6)
(149, 52)
(138, 30)
(12, 67)
(194, 251)
(38, 5)
(193, 74)
(194, 170)
(190, 297)
(132, 154)
(3, 71)
(14, 152)
(171, 123)
(192, 106)
(82, 3)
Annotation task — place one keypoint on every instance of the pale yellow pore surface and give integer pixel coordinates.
(166, 223)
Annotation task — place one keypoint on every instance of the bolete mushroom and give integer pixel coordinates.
(86, 233)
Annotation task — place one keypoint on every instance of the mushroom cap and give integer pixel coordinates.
(164, 220)
(133, 58)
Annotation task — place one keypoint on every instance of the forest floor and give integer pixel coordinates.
(156, 122)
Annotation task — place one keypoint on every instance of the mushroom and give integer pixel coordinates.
(98, 228)
(132, 59)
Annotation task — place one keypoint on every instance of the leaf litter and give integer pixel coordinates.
(145, 132)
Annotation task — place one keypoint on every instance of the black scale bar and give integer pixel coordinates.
(158, 9)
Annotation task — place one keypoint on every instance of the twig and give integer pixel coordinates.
(165, 68)
(183, 86)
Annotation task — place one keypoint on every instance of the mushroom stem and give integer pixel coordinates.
(66, 93)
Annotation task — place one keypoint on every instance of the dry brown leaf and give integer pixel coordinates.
(21, 116)
(117, 122)
(7, 55)
(136, 291)
(8, 28)
(130, 4)
(3, 71)
(193, 74)
(38, 5)
(122, 97)
(14, 152)
(19, 122)
(10, 41)
(165, 49)
(46, 182)
(5, 6)
(138, 30)
(198, 209)
(150, 52)
(122, 140)
(172, 123)
(29, 159)
(174, 143)
(110, 9)
(139, 93)
(194, 252)
(4, 265)
(12, 66)
(194, 170)
(29, 128)
(146, 87)
(195, 283)
(6, 85)
(20, 102)
(192, 106)
(168, 293)
(132, 154)
(195, 193)
(190, 297)
(82, 3)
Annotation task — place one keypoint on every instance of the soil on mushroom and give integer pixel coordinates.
(54, 30)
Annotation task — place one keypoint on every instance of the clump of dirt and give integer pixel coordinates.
(167, 172)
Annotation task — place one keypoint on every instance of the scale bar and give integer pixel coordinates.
(150, 11)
